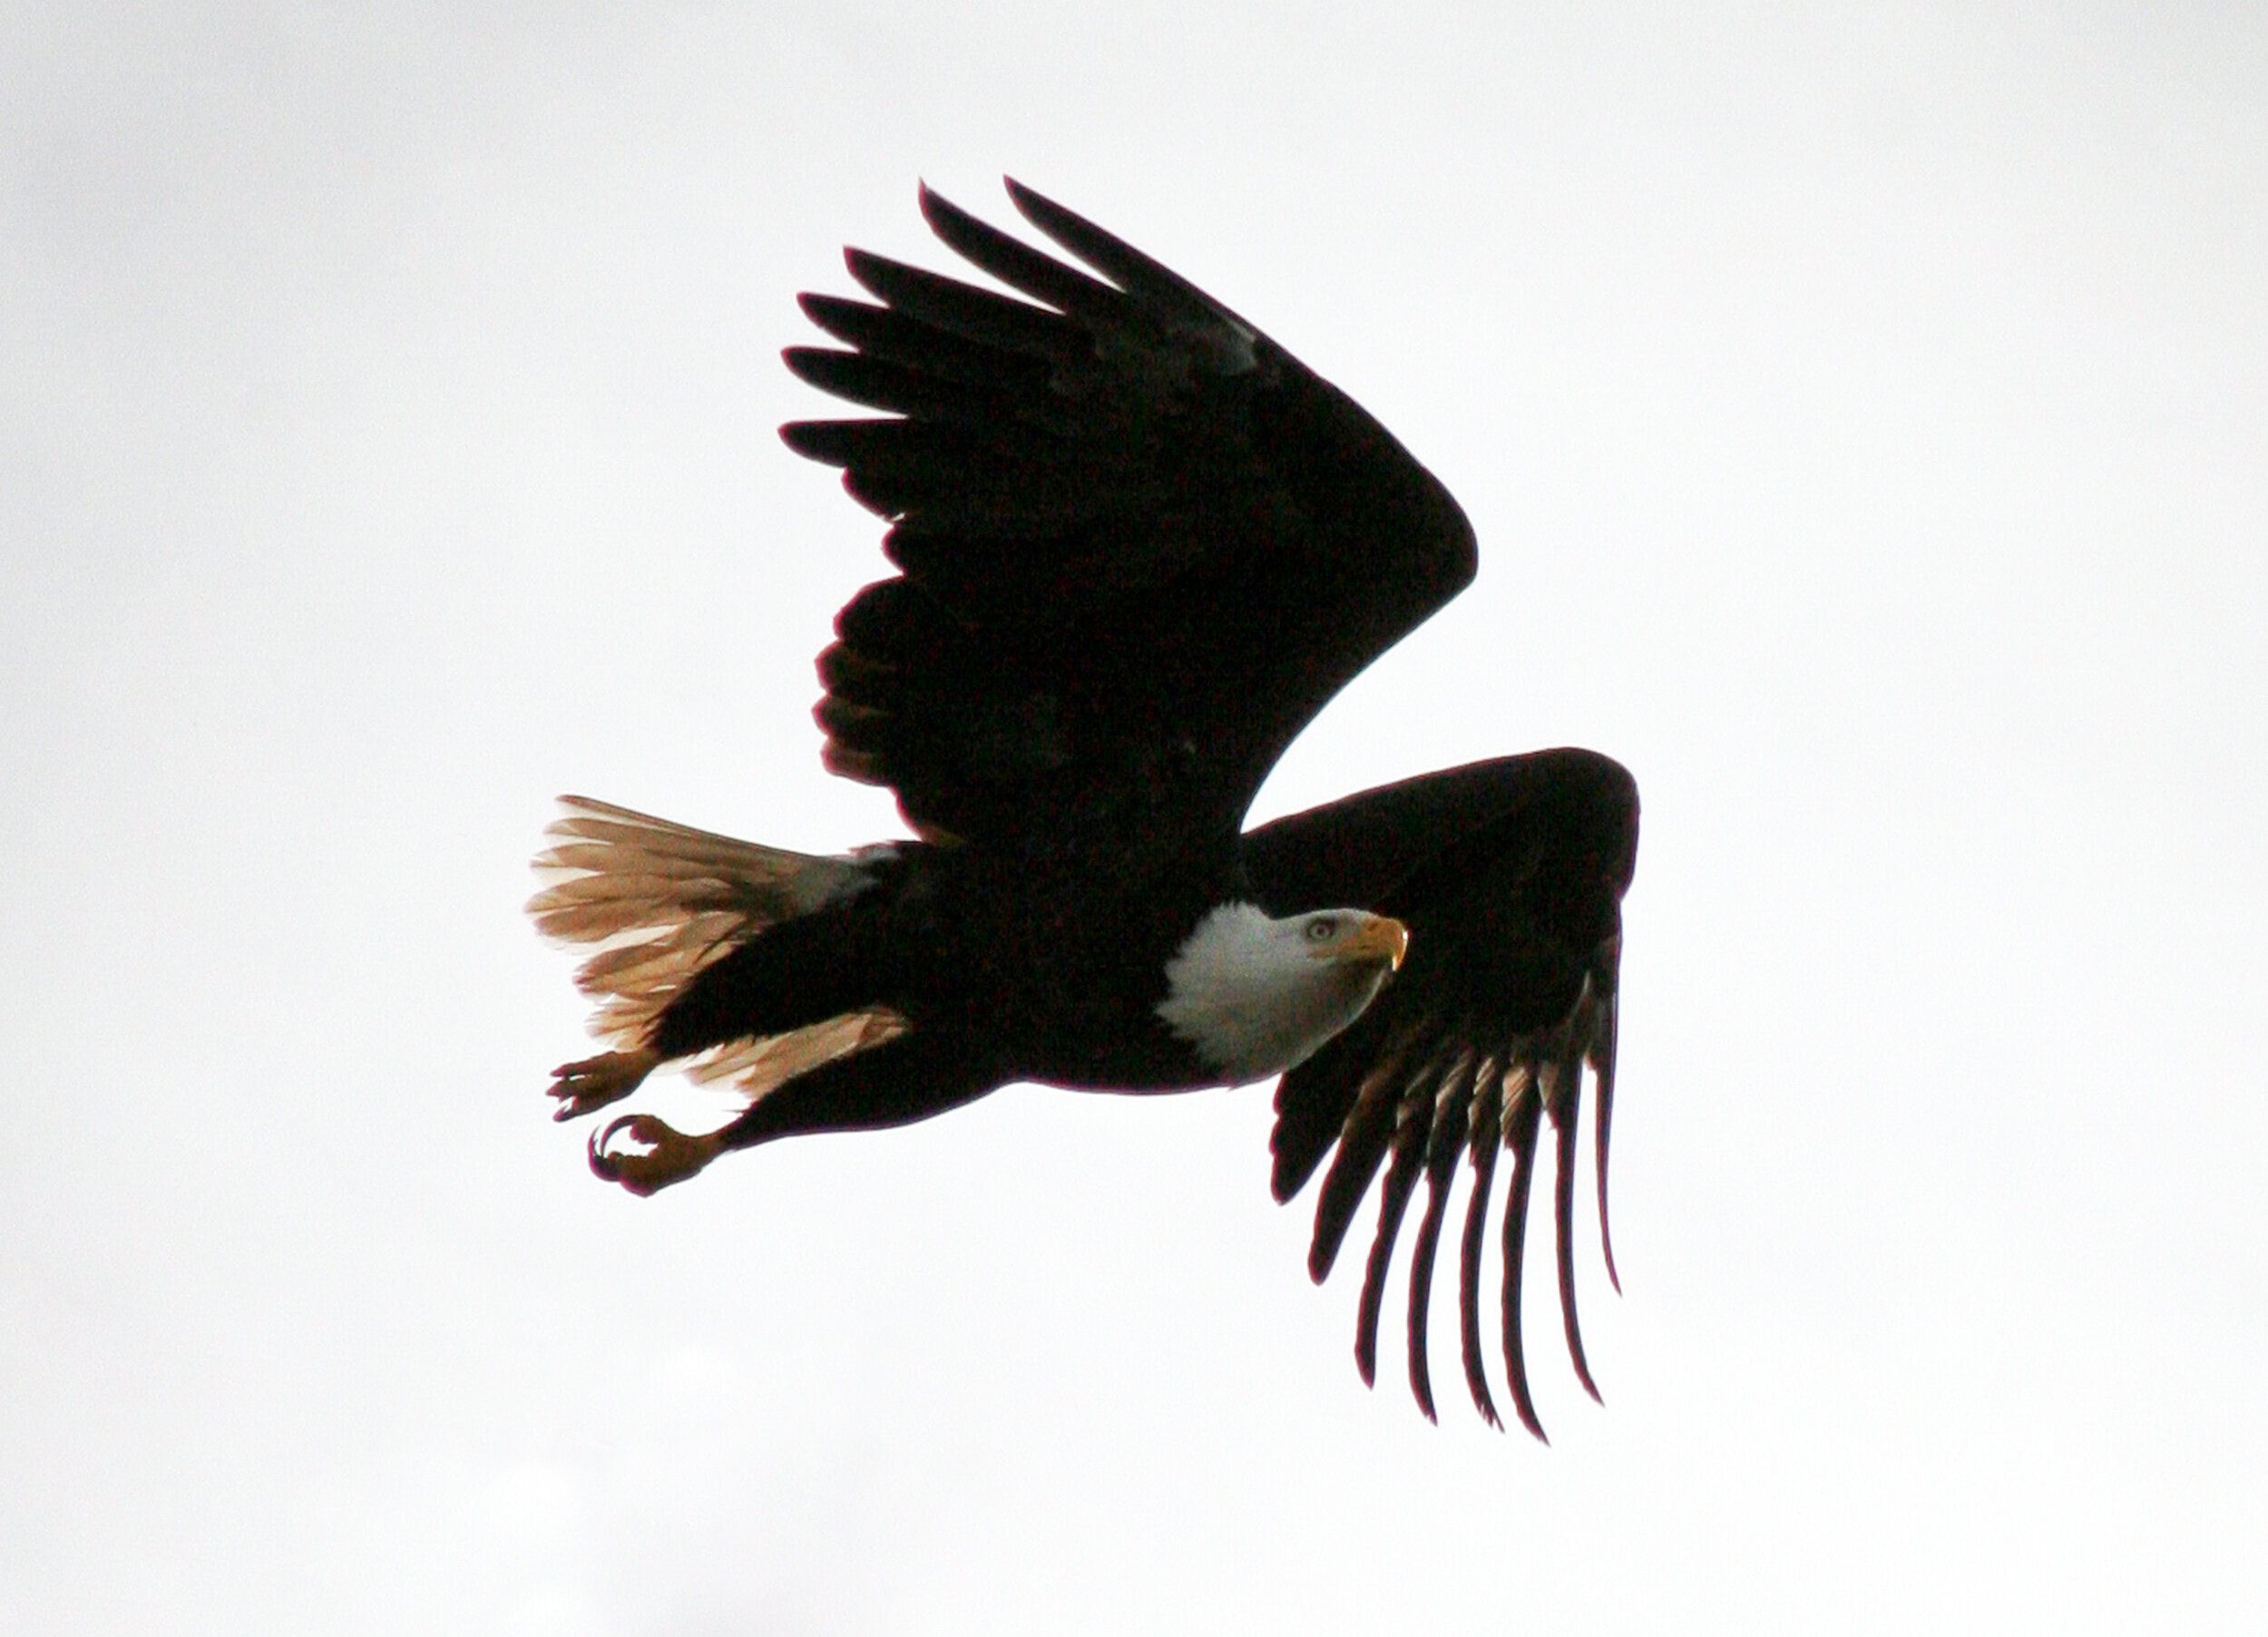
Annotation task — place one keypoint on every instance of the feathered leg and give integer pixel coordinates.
(896, 1083)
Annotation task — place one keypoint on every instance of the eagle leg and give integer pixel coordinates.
(589, 1086)
(669, 1155)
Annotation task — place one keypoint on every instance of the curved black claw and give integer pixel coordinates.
(668, 1155)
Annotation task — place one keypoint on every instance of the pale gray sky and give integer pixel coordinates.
(1864, 411)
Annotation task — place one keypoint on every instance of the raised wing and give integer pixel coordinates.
(1509, 875)
(1138, 545)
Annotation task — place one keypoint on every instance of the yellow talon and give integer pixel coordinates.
(589, 1086)
(670, 1157)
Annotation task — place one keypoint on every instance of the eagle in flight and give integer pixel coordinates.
(1138, 547)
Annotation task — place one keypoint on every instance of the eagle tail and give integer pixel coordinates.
(659, 903)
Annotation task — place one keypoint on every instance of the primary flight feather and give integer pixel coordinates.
(1138, 546)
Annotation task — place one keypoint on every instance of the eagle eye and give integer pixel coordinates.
(1322, 929)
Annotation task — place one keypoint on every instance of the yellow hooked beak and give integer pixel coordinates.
(1381, 938)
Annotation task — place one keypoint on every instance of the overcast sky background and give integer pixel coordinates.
(1864, 409)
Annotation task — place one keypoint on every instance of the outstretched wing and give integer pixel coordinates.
(1509, 875)
(1138, 545)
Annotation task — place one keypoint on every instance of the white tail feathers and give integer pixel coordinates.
(663, 900)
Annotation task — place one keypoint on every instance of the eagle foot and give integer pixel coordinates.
(669, 1155)
(589, 1086)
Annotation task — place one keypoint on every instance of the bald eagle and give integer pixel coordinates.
(1138, 547)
